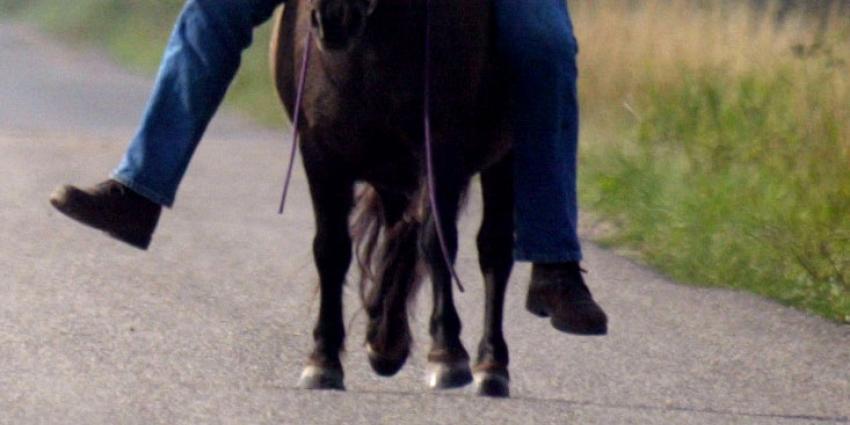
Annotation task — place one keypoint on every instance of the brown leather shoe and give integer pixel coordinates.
(112, 207)
(558, 291)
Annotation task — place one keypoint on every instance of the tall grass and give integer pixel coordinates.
(719, 147)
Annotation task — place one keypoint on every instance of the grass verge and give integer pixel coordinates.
(730, 163)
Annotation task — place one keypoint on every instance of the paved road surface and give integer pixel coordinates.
(212, 325)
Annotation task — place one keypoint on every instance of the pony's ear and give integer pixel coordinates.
(372, 5)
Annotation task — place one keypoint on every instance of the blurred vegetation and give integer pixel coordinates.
(717, 133)
(718, 146)
(134, 32)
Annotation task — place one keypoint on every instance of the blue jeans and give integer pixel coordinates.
(534, 36)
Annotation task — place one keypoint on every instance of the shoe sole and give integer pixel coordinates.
(541, 311)
(140, 242)
(589, 331)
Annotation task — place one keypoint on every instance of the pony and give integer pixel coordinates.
(361, 127)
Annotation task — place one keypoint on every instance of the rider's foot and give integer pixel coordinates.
(558, 291)
(112, 207)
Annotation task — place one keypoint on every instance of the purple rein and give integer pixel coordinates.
(299, 97)
(429, 148)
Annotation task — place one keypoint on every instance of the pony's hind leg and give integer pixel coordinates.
(332, 201)
(388, 331)
(495, 256)
(448, 359)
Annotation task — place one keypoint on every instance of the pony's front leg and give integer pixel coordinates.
(448, 359)
(495, 256)
(332, 203)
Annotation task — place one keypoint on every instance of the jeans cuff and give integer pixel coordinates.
(547, 257)
(143, 190)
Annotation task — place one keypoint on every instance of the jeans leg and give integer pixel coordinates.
(200, 60)
(537, 43)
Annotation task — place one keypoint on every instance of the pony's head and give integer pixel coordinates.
(338, 23)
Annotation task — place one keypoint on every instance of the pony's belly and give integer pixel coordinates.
(381, 154)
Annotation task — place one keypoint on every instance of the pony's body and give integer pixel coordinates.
(362, 121)
(373, 93)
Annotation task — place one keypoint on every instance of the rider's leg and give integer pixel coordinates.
(201, 59)
(536, 38)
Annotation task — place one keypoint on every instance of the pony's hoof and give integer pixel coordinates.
(321, 378)
(493, 384)
(442, 376)
(385, 365)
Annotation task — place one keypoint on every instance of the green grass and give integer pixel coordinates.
(734, 173)
(718, 141)
(770, 215)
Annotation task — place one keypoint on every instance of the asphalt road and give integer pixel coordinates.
(212, 325)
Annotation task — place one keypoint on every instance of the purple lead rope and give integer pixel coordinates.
(429, 148)
(299, 97)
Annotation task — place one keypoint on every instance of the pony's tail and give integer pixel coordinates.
(385, 252)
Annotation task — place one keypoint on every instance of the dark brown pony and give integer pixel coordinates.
(362, 121)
